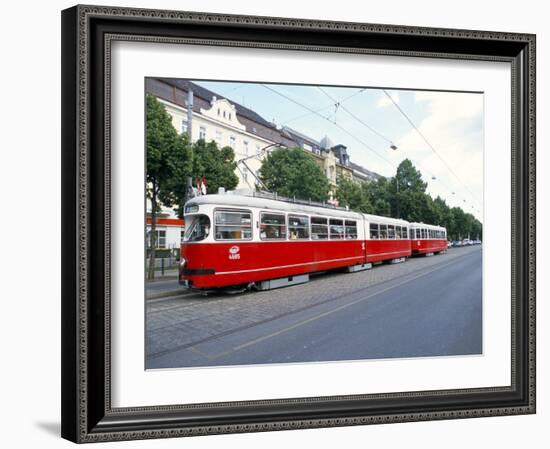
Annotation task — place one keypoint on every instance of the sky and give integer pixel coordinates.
(440, 132)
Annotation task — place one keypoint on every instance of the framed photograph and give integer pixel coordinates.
(276, 224)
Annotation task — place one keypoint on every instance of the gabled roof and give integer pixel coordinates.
(208, 95)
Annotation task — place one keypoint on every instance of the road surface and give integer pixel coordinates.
(426, 306)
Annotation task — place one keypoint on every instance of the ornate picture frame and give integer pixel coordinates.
(88, 33)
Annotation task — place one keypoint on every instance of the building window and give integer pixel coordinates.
(233, 225)
(230, 116)
(218, 112)
(245, 144)
(232, 141)
(223, 114)
(160, 241)
(272, 226)
(298, 227)
(258, 151)
(202, 133)
(219, 137)
(184, 126)
(245, 176)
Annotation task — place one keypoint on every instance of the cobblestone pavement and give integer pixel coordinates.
(181, 322)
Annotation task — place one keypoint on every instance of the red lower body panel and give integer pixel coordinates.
(211, 265)
(428, 246)
(378, 250)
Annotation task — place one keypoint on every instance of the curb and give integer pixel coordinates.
(165, 294)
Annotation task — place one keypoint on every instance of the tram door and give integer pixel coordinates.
(365, 239)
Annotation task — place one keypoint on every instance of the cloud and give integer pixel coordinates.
(454, 127)
(385, 101)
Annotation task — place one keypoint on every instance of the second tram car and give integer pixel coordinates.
(240, 240)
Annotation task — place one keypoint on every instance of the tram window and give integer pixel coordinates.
(197, 228)
(298, 227)
(391, 231)
(319, 228)
(404, 233)
(272, 226)
(233, 225)
(351, 230)
(397, 232)
(336, 228)
(374, 233)
(383, 231)
(424, 233)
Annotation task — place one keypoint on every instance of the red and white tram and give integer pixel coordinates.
(240, 240)
(428, 239)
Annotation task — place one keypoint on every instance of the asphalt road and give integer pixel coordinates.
(424, 307)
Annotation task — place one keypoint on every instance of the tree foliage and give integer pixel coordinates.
(291, 172)
(353, 195)
(169, 159)
(215, 164)
(404, 196)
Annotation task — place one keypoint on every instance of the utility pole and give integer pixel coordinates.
(190, 114)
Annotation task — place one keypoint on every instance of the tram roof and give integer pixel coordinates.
(288, 205)
(427, 226)
(385, 220)
(236, 200)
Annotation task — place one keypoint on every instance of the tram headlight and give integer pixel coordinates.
(183, 262)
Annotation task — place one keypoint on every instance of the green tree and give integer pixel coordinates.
(168, 163)
(293, 173)
(379, 196)
(408, 193)
(215, 164)
(352, 194)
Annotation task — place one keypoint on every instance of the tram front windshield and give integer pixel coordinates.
(197, 228)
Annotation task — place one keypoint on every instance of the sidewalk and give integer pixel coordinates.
(162, 287)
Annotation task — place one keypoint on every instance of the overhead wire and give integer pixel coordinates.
(429, 144)
(334, 124)
(370, 128)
